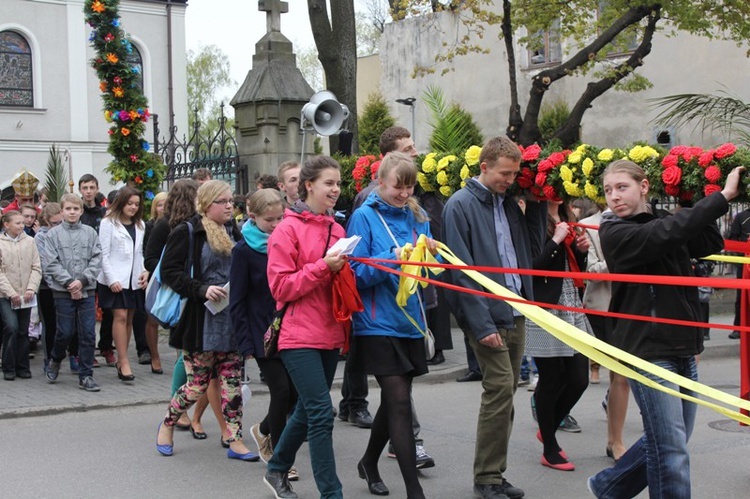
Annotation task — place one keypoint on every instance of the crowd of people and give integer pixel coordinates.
(274, 259)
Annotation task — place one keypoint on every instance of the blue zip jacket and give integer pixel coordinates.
(377, 288)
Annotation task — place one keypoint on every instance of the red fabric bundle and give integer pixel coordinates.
(346, 300)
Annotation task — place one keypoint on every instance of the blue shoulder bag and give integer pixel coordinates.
(163, 303)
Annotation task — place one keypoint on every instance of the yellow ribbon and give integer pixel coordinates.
(728, 258)
(603, 353)
(407, 285)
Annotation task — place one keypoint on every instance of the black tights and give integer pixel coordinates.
(562, 381)
(394, 421)
(283, 397)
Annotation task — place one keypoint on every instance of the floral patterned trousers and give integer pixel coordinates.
(200, 368)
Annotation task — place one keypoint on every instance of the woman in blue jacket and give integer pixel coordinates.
(389, 346)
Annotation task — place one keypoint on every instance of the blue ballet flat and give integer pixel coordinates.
(242, 457)
(164, 450)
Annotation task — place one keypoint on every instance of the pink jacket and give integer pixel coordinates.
(298, 275)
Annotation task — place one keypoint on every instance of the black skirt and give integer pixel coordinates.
(129, 299)
(390, 356)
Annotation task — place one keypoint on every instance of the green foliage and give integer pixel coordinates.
(207, 72)
(55, 180)
(552, 117)
(348, 189)
(125, 106)
(453, 129)
(375, 118)
(724, 112)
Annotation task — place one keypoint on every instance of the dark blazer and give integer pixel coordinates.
(469, 230)
(188, 333)
(250, 300)
(650, 245)
(154, 244)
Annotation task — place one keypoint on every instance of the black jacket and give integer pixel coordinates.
(652, 245)
(188, 333)
(157, 239)
(250, 301)
(92, 216)
(552, 256)
(469, 230)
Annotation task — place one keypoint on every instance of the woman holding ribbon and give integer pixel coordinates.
(637, 241)
(563, 372)
(390, 340)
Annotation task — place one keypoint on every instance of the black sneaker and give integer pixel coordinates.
(489, 491)
(53, 371)
(570, 425)
(511, 491)
(423, 459)
(88, 384)
(279, 484)
(734, 335)
(361, 418)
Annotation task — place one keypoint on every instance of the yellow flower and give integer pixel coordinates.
(429, 164)
(442, 178)
(575, 157)
(444, 162)
(472, 155)
(566, 173)
(587, 166)
(591, 191)
(118, 91)
(446, 190)
(572, 189)
(582, 148)
(605, 155)
(463, 184)
(424, 182)
(465, 172)
(108, 116)
(640, 154)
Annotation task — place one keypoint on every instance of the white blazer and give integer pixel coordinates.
(121, 261)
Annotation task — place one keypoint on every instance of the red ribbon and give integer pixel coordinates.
(346, 300)
(572, 262)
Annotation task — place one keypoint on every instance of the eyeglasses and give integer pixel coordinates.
(224, 201)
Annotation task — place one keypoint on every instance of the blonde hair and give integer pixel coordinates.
(71, 198)
(499, 147)
(402, 167)
(264, 199)
(162, 196)
(625, 166)
(49, 210)
(216, 234)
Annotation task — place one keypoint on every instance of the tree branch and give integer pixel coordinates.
(515, 120)
(542, 81)
(569, 133)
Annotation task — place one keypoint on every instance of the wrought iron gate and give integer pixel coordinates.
(218, 154)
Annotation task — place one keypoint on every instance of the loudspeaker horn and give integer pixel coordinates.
(325, 113)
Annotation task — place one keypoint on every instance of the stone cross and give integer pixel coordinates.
(273, 10)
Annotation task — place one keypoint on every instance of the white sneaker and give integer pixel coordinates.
(532, 383)
(292, 475)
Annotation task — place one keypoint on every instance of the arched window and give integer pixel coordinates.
(16, 82)
(135, 61)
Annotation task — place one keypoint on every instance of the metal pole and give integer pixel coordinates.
(170, 89)
(413, 123)
(304, 136)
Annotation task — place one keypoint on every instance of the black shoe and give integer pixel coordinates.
(734, 335)
(706, 336)
(376, 486)
(199, 435)
(489, 491)
(126, 378)
(470, 376)
(24, 375)
(9, 376)
(279, 484)
(511, 491)
(438, 358)
(343, 416)
(224, 443)
(361, 418)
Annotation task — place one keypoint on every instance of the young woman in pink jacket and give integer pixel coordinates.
(300, 275)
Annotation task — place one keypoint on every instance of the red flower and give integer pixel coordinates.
(671, 175)
(358, 172)
(669, 161)
(710, 189)
(671, 190)
(541, 179)
(108, 37)
(358, 186)
(374, 169)
(526, 179)
(364, 161)
(557, 158)
(725, 150)
(536, 191)
(706, 158)
(677, 150)
(138, 180)
(712, 174)
(691, 152)
(687, 195)
(531, 153)
(133, 158)
(549, 193)
(546, 165)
